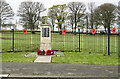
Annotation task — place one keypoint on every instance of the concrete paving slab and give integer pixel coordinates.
(43, 59)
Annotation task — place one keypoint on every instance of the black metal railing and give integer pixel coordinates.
(16, 41)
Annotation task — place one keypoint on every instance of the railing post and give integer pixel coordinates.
(119, 42)
(13, 40)
(79, 39)
(108, 40)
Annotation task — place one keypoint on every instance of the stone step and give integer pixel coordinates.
(43, 59)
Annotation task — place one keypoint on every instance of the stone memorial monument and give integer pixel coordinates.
(45, 41)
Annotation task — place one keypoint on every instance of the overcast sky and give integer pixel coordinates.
(49, 3)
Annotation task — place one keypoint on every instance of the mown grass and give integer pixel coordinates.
(70, 57)
(16, 57)
(86, 58)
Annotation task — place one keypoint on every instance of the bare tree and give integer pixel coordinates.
(29, 13)
(77, 9)
(60, 15)
(105, 15)
(91, 7)
(87, 22)
(6, 12)
(52, 18)
(119, 13)
(71, 19)
(97, 19)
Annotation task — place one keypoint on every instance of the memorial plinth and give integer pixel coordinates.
(45, 41)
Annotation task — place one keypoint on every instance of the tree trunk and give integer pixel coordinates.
(53, 24)
(105, 30)
(87, 24)
(92, 21)
(75, 25)
(91, 25)
(72, 28)
(0, 24)
(60, 29)
(33, 32)
(52, 27)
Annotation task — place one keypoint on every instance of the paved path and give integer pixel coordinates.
(43, 59)
(38, 69)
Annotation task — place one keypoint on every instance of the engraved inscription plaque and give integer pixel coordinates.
(45, 32)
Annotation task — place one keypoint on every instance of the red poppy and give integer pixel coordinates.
(24, 31)
(93, 31)
(41, 52)
(113, 30)
(64, 31)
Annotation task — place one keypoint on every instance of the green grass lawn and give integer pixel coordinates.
(16, 57)
(70, 57)
(86, 58)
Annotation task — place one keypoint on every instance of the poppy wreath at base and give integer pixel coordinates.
(49, 52)
(41, 52)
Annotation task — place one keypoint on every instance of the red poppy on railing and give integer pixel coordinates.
(113, 30)
(24, 31)
(64, 31)
(93, 31)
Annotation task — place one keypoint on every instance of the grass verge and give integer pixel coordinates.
(70, 57)
(85, 58)
(16, 57)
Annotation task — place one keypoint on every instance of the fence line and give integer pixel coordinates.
(85, 44)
